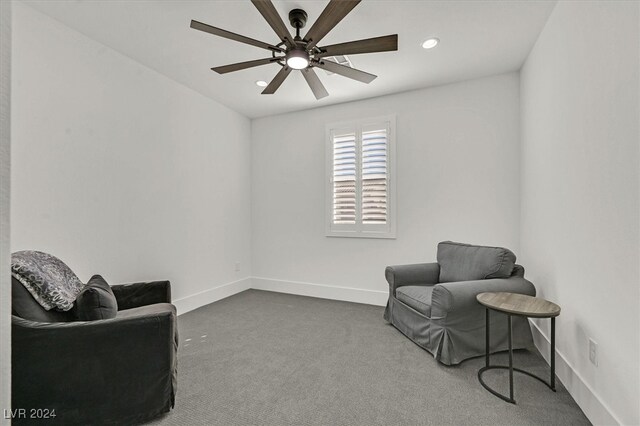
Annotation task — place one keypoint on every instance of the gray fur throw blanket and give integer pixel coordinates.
(49, 280)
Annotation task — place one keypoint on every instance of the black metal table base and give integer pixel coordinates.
(506, 367)
(552, 382)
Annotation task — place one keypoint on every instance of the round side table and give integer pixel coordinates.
(519, 305)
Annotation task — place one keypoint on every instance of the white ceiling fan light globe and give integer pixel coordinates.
(298, 59)
(297, 63)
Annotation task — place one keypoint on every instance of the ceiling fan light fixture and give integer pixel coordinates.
(304, 54)
(297, 59)
(430, 43)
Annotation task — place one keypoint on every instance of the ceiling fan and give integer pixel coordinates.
(304, 54)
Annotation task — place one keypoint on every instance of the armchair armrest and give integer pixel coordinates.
(141, 294)
(455, 296)
(416, 274)
(69, 365)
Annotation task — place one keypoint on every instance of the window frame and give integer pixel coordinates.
(360, 230)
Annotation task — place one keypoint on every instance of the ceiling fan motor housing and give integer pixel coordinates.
(298, 18)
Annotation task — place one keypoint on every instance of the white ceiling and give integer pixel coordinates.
(478, 38)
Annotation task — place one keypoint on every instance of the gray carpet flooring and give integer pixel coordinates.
(263, 358)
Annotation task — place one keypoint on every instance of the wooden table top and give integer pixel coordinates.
(519, 304)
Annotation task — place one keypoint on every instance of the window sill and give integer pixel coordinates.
(378, 235)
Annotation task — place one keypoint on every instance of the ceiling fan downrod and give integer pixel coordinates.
(298, 19)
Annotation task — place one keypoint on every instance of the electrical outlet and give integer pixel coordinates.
(237, 266)
(593, 352)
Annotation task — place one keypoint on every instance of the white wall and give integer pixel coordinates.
(579, 230)
(457, 178)
(5, 189)
(120, 171)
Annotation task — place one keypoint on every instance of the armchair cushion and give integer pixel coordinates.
(96, 301)
(465, 262)
(155, 309)
(417, 297)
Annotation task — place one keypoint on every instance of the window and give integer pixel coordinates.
(360, 196)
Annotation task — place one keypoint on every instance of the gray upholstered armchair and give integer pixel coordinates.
(434, 304)
(120, 370)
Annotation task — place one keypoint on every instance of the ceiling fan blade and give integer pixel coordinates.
(277, 81)
(243, 65)
(329, 18)
(314, 82)
(270, 14)
(370, 45)
(232, 36)
(349, 72)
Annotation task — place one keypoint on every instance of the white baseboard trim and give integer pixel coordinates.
(323, 291)
(585, 396)
(189, 303)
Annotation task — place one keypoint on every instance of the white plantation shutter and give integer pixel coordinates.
(374, 177)
(344, 179)
(360, 199)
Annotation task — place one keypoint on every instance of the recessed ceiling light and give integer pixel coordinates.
(430, 43)
(261, 83)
